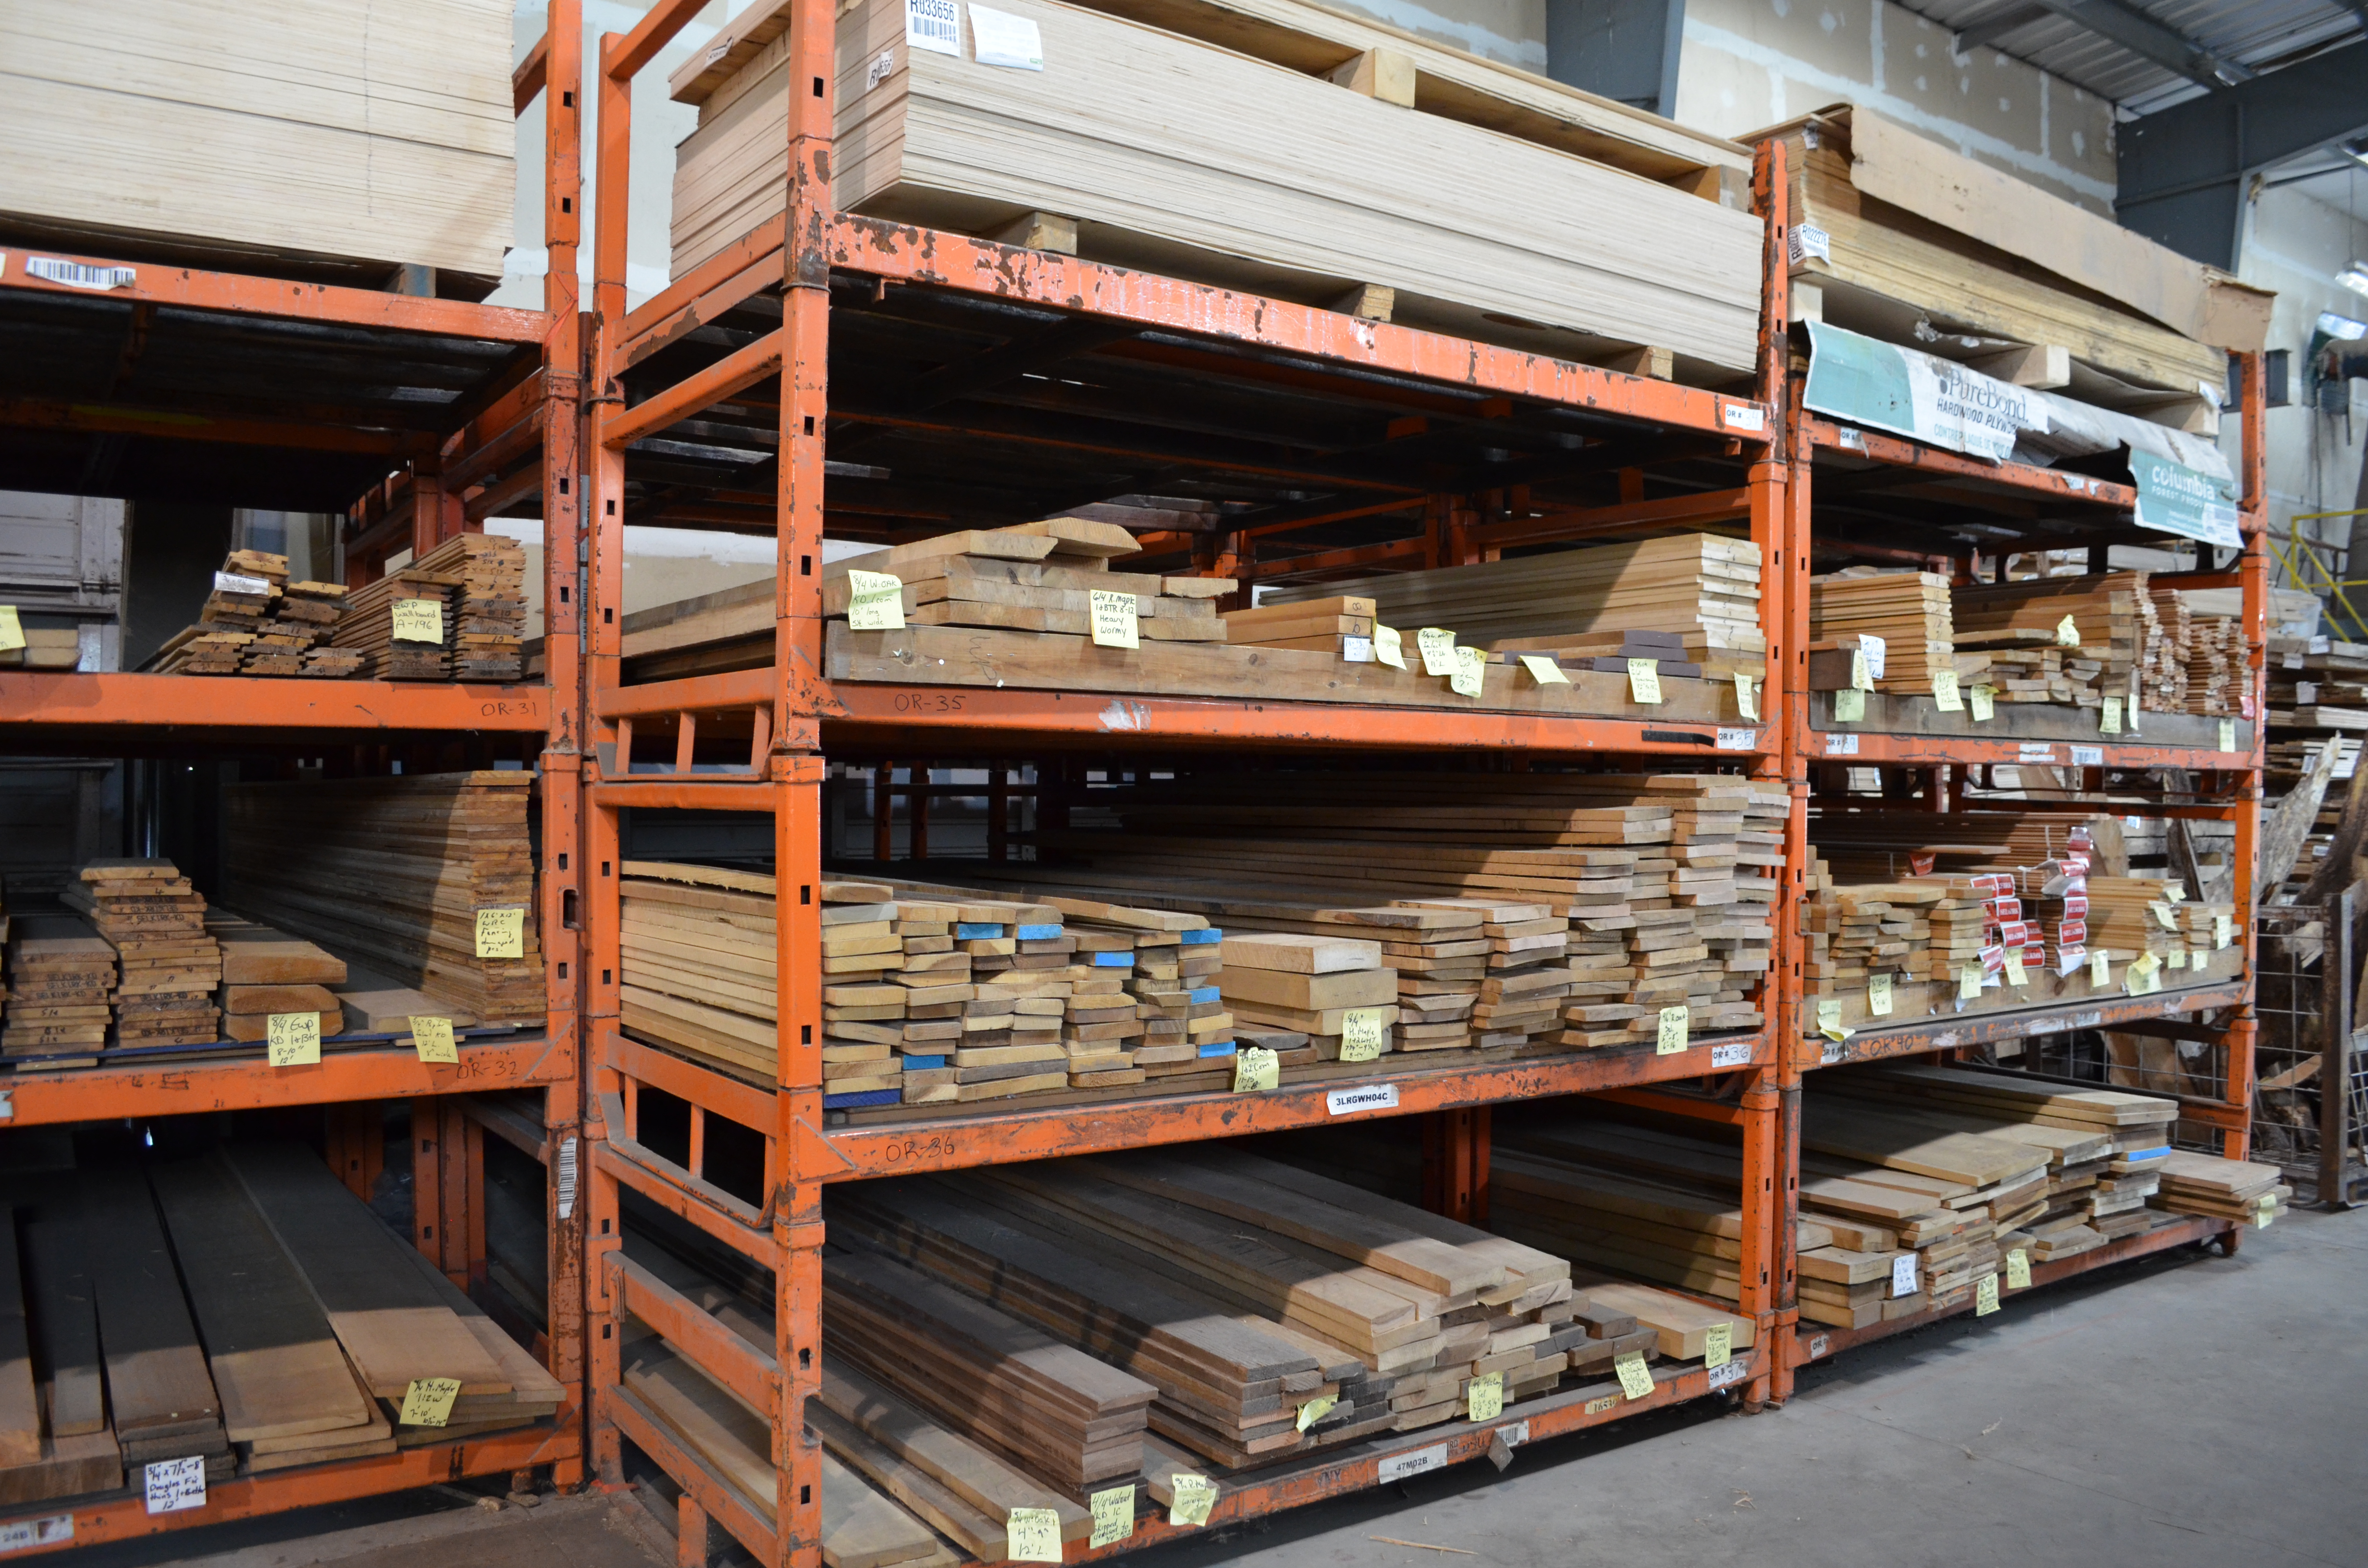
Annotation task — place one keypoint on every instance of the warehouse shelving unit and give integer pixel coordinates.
(687, 429)
(246, 390)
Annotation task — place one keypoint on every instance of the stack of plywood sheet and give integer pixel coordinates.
(168, 965)
(266, 971)
(61, 977)
(1037, 577)
(422, 878)
(940, 134)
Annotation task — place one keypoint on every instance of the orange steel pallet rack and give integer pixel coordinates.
(518, 408)
(708, 354)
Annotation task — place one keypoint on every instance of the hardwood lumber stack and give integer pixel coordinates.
(1908, 610)
(1291, 981)
(935, 139)
(2217, 680)
(168, 965)
(1702, 588)
(266, 971)
(2114, 620)
(697, 945)
(398, 874)
(62, 978)
(1144, 999)
(1342, 623)
(75, 1449)
(159, 1391)
(475, 586)
(1036, 577)
(2221, 1189)
(254, 622)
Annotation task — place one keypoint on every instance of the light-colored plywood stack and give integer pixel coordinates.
(169, 965)
(1909, 610)
(1038, 577)
(268, 133)
(399, 875)
(1455, 229)
(61, 978)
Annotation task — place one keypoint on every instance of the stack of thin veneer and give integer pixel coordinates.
(1909, 610)
(392, 874)
(169, 966)
(62, 979)
(266, 971)
(1035, 578)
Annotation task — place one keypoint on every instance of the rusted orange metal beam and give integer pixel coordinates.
(527, 80)
(745, 366)
(184, 702)
(1712, 506)
(178, 424)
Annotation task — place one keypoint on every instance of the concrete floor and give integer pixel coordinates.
(2185, 1410)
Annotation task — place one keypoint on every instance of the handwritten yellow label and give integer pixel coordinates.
(1315, 1410)
(875, 601)
(1113, 620)
(501, 933)
(1829, 1018)
(1634, 1381)
(1438, 648)
(1944, 692)
(2163, 918)
(1984, 699)
(2144, 975)
(2098, 973)
(2018, 1269)
(1985, 1295)
(292, 1040)
(1470, 673)
(1113, 1515)
(432, 1038)
(2068, 635)
(1669, 1035)
(1189, 1498)
(1388, 647)
(2177, 959)
(1878, 995)
(12, 631)
(418, 621)
(1256, 1068)
(1645, 680)
(1363, 1031)
(1484, 1397)
(1849, 706)
(2015, 973)
(1969, 982)
(1543, 670)
(1031, 1535)
(2227, 735)
(1862, 672)
(1718, 1345)
(428, 1402)
(2264, 1211)
(2223, 931)
(2109, 717)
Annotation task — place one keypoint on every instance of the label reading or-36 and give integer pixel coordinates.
(1363, 1097)
(1470, 673)
(1718, 1345)
(1484, 1397)
(1113, 620)
(428, 1402)
(1031, 1535)
(1645, 680)
(1189, 1498)
(418, 621)
(1437, 645)
(1878, 995)
(875, 601)
(1256, 1068)
(172, 1485)
(1543, 670)
(1670, 1033)
(2018, 1269)
(1387, 648)
(1734, 1053)
(501, 933)
(1399, 1466)
(432, 1038)
(1986, 1292)
(1635, 1381)
(1903, 1275)
(1362, 1030)
(292, 1040)
(1113, 1509)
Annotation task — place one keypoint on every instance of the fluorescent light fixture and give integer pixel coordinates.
(2354, 278)
(2341, 328)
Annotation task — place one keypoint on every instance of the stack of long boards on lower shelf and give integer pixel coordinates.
(240, 1308)
(418, 877)
(266, 971)
(1035, 578)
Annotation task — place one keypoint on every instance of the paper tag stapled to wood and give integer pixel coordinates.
(428, 1402)
(1945, 699)
(501, 933)
(1113, 1509)
(432, 1038)
(1645, 681)
(2018, 1269)
(1470, 673)
(1543, 670)
(1903, 1275)
(1484, 1397)
(1982, 702)
(875, 601)
(1718, 1345)
(1255, 1069)
(1669, 1032)
(1315, 1410)
(1388, 647)
(2067, 634)
(1437, 645)
(1189, 1498)
(1861, 671)
(1635, 1379)
(292, 1040)
(1363, 1033)
(418, 621)
(1114, 624)
(1878, 995)
(1031, 1535)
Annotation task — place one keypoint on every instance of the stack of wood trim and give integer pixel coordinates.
(1036, 577)
(167, 964)
(391, 873)
(696, 944)
(61, 978)
(266, 971)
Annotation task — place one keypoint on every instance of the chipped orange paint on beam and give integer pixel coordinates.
(745, 366)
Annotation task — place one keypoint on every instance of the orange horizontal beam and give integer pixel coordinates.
(745, 366)
(256, 703)
(1867, 749)
(624, 57)
(1984, 1028)
(1712, 506)
(716, 1092)
(745, 267)
(527, 81)
(717, 1497)
(747, 1372)
(196, 289)
(1900, 453)
(180, 425)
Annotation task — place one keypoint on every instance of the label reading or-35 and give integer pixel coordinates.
(1725, 1376)
(1113, 620)
(432, 1038)
(1735, 738)
(1437, 645)
(1031, 1535)
(501, 933)
(292, 1040)
(1113, 1509)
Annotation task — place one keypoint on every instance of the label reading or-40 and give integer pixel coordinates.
(1189, 1498)
(172, 1485)
(12, 629)
(1903, 1275)
(1470, 673)
(875, 601)
(1986, 1292)
(1878, 995)
(1387, 647)
(2018, 1269)
(1315, 1410)
(1543, 669)
(1669, 1034)
(1400, 1467)
(2227, 735)
(1718, 1345)
(1113, 622)
(1484, 1397)
(1113, 1510)
(1635, 1381)
(1746, 697)
(418, 621)
(432, 1038)
(428, 1402)
(292, 1040)
(1645, 680)
(1733, 1054)
(934, 25)
(1840, 742)
(1849, 708)
(2109, 716)
(51, 1529)
(1255, 1069)
(501, 933)
(1362, 1030)
(1437, 645)
(1031, 1535)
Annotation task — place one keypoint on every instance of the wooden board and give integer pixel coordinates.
(156, 1378)
(20, 1414)
(65, 1326)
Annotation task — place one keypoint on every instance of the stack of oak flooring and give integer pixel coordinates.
(62, 978)
(1908, 610)
(1035, 578)
(410, 875)
(256, 621)
(266, 971)
(456, 613)
(168, 965)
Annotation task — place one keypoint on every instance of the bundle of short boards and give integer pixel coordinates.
(234, 1308)
(1101, 1336)
(1238, 932)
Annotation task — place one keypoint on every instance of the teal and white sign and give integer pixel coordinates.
(1918, 395)
(2176, 499)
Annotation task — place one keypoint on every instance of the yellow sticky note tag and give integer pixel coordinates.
(1387, 646)
(1438, 648)
(2098, 972)
(1634, 1381)
(2174, 893)
(292, 1040)
(2227, 735)
(1944, 692)
(501, 933)
(1484, 1397)
(428, 1402)
(1984, 699)
(1878, 995)
(1862, 673)
(1985, 1295)
(1471, 672)
(1543, 670)
(1315, 1410)
(1746, 697)
(2018, 1270)
(1113, 1509)
(1718, 1345)
(875, 601)
(2109, 717)
(2265, 1211)
(1362, 1032)
(1256, 1068)
(1969, 982)
(1031, 1535)
(1849, 706)
(1113, 620)
(432, 1038)
(2163, 917)
(2223, 931)
(418, 620)
(2066, 634)
(1669, 1036)
(2015, 973)
(12, 631)
(1829, 1019)
(1189, 1498)
(2143, 976)
(2178, 958)
(1645, 680)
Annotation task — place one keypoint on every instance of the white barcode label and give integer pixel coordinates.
(1738, 740)
(1840, 745)
(2087, 756)
(18, 1535)
(1808, 240)
(231, 582)
(567, 1178)
(1398, 1467)
(1854, 440)
(1515, 1433)
(1744, 417)
(77, 275)
(1736, 1054)
(882, 69)
(934, 25)
(1725, 1376)
(1365, 1097)
(2035, 751)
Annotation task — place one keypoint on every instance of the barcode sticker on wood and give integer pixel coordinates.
(172, 1485)
(1031, 1535)
(1437, 645)
(567, 1178)
(875, 602)
(432, 1038)
(1114, 625)
(934, 25)
(501, 933)
(1805, 242)
(418, 621)
(80, 275)
(292, 1040)
(1113, 1510)
(428, 1402)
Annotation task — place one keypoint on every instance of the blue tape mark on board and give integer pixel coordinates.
(1217, 1048)
(2161, 1154)
(1113, 960)
(868, 1097)
(915, 1062)
(1039, 933)
(976, 930)
(1202, 938)
(1200, 993)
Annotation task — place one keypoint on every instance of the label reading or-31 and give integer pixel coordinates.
(1645, 680)
(418, 621)
(432, 1038)
(1437, 645)
(1387, 647)
(875, 601)
(1362, 1030)
(1903, 1275)
(1256, 1068)
(1670, 1033)
(1484, 1397)
(1031, 1535)
(1113, 620)
(292, 1040)
(501, 933)
(172, 1485)
(1543, 670)
(1113, 1509)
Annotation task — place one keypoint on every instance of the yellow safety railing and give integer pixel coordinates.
(2295, 552)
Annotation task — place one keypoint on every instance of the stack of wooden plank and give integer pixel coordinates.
(420, 648)
(1342, 624)
(2217, 680)
(1036, 577)
(1908, 610)
(169, 966)
(62, 978)
(2025, 666)
(2113, 619)
(55, 1438)
(414, 877)
(489, 609)
(700, 965)
(1309, 984)
(2221, 1189)
(256, 621)
(46, 648)
(266, 971)
(159, 1391)
(1145, 997)
(1702, 588)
